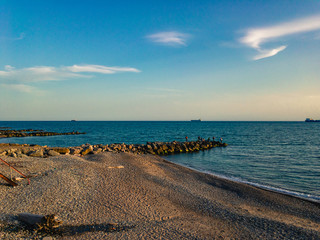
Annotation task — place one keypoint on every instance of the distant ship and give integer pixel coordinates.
(73, 120)
(197, 120)
(311, 120)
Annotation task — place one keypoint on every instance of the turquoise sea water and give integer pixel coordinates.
(283, 156)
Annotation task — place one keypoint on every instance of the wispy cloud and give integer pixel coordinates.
(100, 69)
(169, 38)
(18, 79)
(254, 38)
(268, 53)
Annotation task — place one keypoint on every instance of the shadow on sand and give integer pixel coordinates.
(64, 230)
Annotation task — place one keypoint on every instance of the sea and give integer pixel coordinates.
(278, 156)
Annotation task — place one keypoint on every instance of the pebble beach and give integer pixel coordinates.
(122, 195)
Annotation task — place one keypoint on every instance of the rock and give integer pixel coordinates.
(10, 151)
(164, 147)
(87, 150)
(14, 155)
(97, 150)
(159, 152)
(108, 149)
(3, 152)
(75, 151)
(36, 153)
(53, 153)
(24, 150)
(61, 150)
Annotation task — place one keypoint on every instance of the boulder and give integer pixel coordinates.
(97, 150)
(164, 147)
(3, 152)
(61, 150)
(24, 150)
(75, 151)
(21, 155)
(53, 153)
(14, 155)
(87, 150)
(36, 153)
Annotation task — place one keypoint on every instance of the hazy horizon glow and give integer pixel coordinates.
(214, 60)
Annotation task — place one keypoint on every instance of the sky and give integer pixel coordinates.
(160, 60)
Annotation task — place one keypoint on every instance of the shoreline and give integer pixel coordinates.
(302, 196)
(148, 196)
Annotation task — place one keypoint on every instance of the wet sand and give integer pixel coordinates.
(128, 196)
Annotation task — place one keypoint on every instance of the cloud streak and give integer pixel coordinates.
(18, 79)
(169, 38)
(254, 38)
(100, 69)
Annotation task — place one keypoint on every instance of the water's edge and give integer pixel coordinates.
(307, 197)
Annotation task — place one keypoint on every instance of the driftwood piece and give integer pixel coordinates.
(40, 222)
(12, 183)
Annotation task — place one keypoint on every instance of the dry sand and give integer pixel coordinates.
(127, 196)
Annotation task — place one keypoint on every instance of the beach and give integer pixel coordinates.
(129, 196)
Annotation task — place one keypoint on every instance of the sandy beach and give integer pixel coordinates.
(129, 196)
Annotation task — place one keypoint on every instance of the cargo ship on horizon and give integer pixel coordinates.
(311, 120)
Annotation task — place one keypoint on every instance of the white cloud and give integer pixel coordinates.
(269, 53)
(100, 69)
(169, 38)
(19, 78)
(254, 38)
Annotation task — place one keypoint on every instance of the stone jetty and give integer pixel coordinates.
(155, 148)
(8, 133)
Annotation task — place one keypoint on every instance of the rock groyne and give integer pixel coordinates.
(155, 148)
(8, 133)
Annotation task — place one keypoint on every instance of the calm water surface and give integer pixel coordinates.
(284, 156)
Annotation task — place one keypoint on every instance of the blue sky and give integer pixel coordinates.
(159, 60)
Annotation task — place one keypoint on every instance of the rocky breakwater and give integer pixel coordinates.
(9, 133)
(155, 148)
